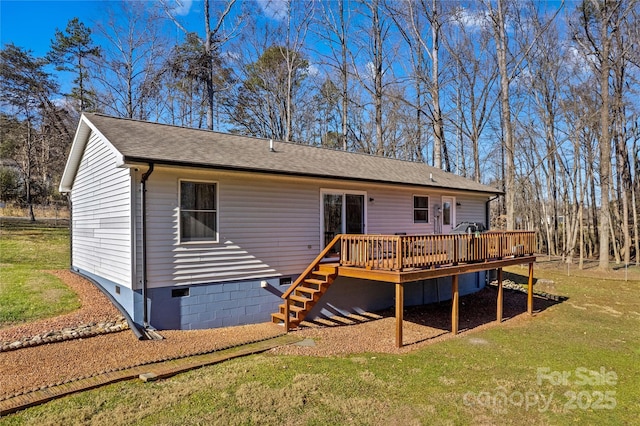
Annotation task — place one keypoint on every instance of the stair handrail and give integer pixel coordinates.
(311, 266)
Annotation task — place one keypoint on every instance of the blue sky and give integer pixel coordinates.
(31, 24)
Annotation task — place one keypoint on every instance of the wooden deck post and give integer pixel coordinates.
(530, 290)
(500, 294)
(286, 314)
(454, 304)
(399, 313)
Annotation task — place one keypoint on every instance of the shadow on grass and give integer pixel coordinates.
(475, 310)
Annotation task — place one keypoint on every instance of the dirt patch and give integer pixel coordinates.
(423, 325)
(33, 367)
(30, 368)
(53, 295)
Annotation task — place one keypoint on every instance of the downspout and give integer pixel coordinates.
(487, 211)
(68, 194)
(143, 201)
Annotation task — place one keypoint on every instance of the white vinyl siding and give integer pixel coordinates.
(391, 212)
(471, 209)
(265, 228)
(267, 225)
(101, 203)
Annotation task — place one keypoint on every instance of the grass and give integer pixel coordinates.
(27, 292)
(507, 374)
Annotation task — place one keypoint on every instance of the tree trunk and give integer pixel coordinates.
(635, 196)
(208, 49)
(605, 145)
(614, 243)
(345, 75)
(623, 166)
(377, 64)
(439, 144)
(581, 261)
(500, 35)
(636, 242)
(29, 170)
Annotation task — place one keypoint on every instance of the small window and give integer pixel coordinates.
(285, 281)
(420, 209)
(446, 213)
(198, 212)
(180, 292)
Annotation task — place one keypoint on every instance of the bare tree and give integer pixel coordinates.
(412, 19)
(370, 68)
(594, 33)
(270, 86)
(545, 82)
(129, 74)
(215, 37)
(498, 16)
(475, 76)
(332, 27)
(26, 90)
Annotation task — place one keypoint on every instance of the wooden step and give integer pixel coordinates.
(293, 309)
(308, 290)
(319, 283)
(307, 294)
(300, 299)
(330, 268)
(325, 274)
(279, 318)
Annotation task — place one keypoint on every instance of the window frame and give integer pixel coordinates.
(414, 209)
(216, 210)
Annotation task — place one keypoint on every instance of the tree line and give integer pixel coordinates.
(538, 99)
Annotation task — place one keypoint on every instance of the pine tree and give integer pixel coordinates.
(69, 52)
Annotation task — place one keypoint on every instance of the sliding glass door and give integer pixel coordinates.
(342, 213)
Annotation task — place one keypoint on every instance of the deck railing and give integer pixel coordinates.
(398, 252)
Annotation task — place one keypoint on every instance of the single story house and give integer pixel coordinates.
(189, 228)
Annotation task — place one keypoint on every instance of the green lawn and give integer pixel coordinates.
(27, 292)
(574, 363)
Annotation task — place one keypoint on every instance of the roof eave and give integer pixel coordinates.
(134, 161)
(80, 140)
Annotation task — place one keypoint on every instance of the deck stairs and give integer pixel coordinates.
(307, 294)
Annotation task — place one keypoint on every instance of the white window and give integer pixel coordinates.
(420, 209)
(198, 212)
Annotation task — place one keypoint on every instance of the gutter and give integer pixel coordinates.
(131, 160)
(143, 192)
(68, 194)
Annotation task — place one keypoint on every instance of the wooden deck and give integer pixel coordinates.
(400, 259)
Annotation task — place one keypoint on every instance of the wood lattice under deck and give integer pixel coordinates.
(401, 259)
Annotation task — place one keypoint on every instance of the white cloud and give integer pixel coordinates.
(233, 56)
(274, 9)
(313, 70)
(180, 7)
(471, 19)
(582, 63)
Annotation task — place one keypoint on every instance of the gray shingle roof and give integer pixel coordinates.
(164, 144)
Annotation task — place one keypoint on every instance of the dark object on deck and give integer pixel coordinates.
(468, 228)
